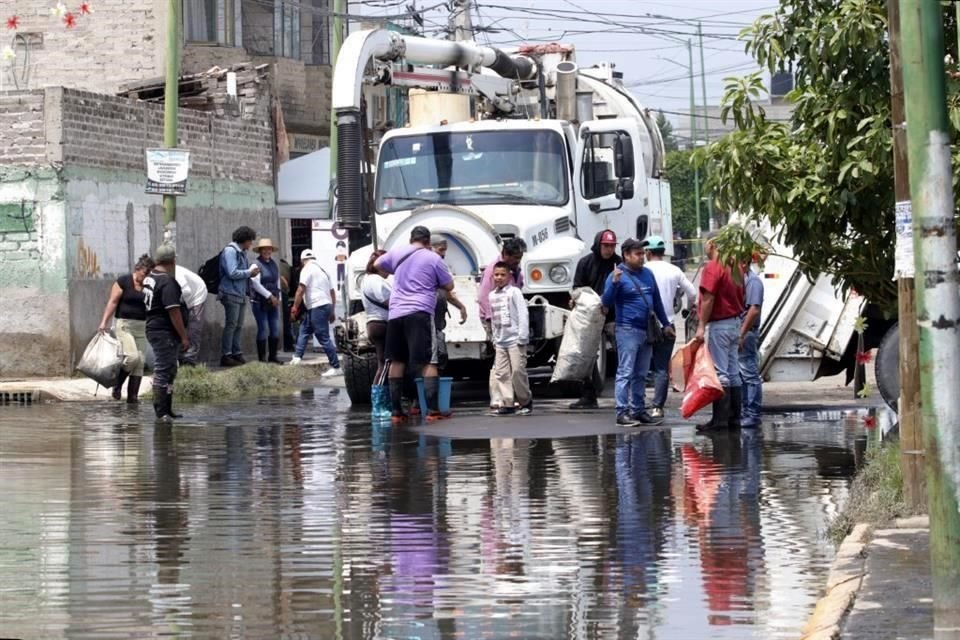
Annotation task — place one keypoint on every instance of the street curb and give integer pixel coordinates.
(843, 583)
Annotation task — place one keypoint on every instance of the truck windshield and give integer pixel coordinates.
(477, 167)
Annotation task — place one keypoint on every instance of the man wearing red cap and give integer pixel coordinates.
(592, 271)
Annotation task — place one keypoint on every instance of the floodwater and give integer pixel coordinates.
(295, 518)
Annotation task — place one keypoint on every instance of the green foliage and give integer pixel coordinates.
(682, 199)
(666, 132)
(199, 384)
(825, 179)
(876, 493)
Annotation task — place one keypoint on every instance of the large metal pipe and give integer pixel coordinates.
(567, 91)
(349, 170)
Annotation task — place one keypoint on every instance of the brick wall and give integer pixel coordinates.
(119, 41)
(112, 133)
(22, 137)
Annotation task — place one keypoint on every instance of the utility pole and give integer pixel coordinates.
(911, 436)
(693, 139)
(937, 296)
(706, 119)
(460, 22)
(336, 41)
(171, 104)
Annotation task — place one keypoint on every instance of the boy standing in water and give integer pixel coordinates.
(510, 322)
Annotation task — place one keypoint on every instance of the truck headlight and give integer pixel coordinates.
(559, 274)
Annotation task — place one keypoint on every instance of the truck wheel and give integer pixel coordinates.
(887, 367)
(359, 371)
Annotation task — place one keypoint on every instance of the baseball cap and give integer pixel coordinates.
(630, 244)
(165, 253)
(654, 242)
(608, 237)
(420, 234)
(307, 254)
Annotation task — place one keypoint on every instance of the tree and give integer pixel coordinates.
(825, 178)
(683, 201)
(666, 132)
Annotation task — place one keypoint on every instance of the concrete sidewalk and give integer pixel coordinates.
(879, 586)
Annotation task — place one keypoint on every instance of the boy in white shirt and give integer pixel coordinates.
(510, 324)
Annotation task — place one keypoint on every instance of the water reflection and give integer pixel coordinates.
(279, 518)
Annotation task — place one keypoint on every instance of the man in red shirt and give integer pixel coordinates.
(721, 303)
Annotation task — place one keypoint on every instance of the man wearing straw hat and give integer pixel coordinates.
(265, 301)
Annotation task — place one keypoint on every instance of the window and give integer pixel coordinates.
(273, 27)
(597, 175)
(286, 29)
(209, 21)
(518, 166)
(317, 51)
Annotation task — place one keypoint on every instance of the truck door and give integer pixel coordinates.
(611, 179)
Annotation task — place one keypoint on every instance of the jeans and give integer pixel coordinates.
(633, 362)
(268, 320)
(752, 382)
(166, 350)
(316, 322)
(723, 342)
(233, 309)
(195, 332)
(660, 363)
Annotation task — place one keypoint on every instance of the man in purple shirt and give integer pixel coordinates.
(417, 274)
(511, 253)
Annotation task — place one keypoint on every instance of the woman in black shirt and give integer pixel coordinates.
(127, 306)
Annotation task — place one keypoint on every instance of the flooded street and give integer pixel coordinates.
(295, 518)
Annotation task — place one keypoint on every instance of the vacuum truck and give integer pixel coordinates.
(499, 144)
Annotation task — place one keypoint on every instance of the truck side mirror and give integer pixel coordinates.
(625, 189)
(623, 165)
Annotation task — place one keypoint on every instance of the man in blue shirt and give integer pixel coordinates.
(632, 291)
(235, 274)
(752, 397)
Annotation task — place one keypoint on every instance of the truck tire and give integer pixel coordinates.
(359, 371)
(887, 367)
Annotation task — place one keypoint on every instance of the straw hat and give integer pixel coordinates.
(264, 243)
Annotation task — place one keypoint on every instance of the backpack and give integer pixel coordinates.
(210, 272)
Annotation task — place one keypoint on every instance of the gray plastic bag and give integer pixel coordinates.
(102, 360)
(581, 337)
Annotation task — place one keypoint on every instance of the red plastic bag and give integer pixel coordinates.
(693, 363)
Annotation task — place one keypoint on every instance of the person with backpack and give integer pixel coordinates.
(235, 274)
(375, 293)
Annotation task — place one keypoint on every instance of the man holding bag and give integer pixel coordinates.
(632, 291)
(721, 303)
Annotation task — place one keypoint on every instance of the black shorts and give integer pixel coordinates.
(411, 339)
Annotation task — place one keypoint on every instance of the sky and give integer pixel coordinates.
(645, 39)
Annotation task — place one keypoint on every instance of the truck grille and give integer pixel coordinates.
(562, 225)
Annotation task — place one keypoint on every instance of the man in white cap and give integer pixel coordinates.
(166, 331)
(316, 291)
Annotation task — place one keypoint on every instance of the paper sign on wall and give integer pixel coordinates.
(167, 171)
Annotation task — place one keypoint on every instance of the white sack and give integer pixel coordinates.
(581, 338)
(102, 360)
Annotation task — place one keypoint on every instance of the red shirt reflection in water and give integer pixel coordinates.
(727, 539)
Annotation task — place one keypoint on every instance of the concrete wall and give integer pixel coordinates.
(120, 41)
(75, 216)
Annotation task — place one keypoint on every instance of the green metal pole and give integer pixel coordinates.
(171, 104)
(693, 138)
(937, 295)
(336, 41)
(706, 120)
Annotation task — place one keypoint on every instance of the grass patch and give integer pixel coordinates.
(199, 384)
(876, 494)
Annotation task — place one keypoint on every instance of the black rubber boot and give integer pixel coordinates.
(262, 350)
(396, 397)
(588, 396)
(736, 407)
(721, 414)
(118, 388)
(133, 390)
(272, 344)
(160, 404)
(170, 407)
